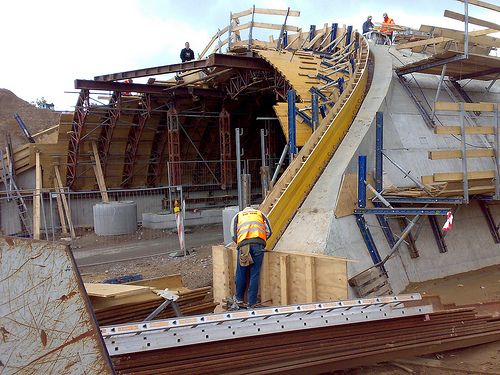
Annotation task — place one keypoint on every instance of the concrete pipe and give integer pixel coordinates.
(115, 218)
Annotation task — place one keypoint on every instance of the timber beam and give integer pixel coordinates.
(146, 88)
(214, 60)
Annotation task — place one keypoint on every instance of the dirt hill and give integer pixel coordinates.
(36, 119)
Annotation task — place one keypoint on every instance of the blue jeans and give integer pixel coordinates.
(257, 253)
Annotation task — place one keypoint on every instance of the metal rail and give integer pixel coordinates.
(146, 336)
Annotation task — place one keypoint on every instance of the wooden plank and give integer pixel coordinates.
(172, 282)
(36, 198)
(482, 32)
(114, 290)
(468, 130)
(272, 12)
(428, 180)
(457, 154)
(99, 175)
(472, 20)
(459, 176)
(450, 106)
(265, 25)
(459, 35)
(60, 191)
(483, 4)
(60, 211)
(424, 42)
(310, 282)
(284, 279)
(265, 289)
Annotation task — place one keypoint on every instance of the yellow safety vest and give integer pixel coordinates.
(251, 224)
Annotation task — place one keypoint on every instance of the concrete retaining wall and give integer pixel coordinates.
(407, 140)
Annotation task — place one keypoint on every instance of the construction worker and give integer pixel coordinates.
(250, 230)
(187, 53)
(368, 25)
(387, 21)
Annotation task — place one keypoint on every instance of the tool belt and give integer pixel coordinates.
(245, 257)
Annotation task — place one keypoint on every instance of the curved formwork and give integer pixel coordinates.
(299, 178)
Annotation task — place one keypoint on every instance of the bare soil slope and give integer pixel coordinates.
(36, 119)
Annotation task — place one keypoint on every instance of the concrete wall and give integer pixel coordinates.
(407, 139)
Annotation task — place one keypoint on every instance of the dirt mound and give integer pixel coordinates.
(36, 119)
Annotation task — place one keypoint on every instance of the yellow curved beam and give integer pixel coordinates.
(294, 185)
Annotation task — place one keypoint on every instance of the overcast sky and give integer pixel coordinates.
(48, 44)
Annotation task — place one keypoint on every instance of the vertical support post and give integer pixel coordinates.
(379, 145)
(264, 169)
(36, 197)
(464, 154)
(250, 32)
(497, 152)
(263, 147)
(225, 148)
(466, 31)
(315, 111)
(361, 181)
(312, 32)
(348, 35)
(333, 35)
(229, 31)
(292, 113)
(238, 168)
(246, 188)
(174, 148)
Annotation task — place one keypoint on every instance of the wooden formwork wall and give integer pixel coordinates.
(286, 277)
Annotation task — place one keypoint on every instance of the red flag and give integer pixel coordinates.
(449, 221)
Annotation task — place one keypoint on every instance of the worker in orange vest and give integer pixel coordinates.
(387, 21)
(250, 230)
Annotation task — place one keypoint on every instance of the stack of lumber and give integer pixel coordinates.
(321, 350)
(123, 303)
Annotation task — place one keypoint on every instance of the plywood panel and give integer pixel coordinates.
(113, 290)
(286, 277)
(46, 321)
